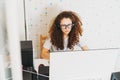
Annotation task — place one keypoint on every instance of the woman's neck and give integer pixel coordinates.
(65, 36)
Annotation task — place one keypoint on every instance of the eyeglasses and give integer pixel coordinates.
(64, 26)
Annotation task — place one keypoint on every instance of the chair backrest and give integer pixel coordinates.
(42, 40)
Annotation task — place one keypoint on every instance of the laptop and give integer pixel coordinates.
(83, 65)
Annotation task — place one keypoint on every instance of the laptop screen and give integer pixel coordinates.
(82, 65)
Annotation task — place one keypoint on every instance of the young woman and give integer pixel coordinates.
(65, 34)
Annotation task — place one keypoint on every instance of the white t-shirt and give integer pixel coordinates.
(48, 45)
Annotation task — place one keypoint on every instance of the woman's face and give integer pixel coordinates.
(66, 25)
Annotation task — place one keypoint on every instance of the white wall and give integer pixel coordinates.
(2, 41)
(4, 73)
(100, 20)
(14, 21)
(11, 14)
(21, 19)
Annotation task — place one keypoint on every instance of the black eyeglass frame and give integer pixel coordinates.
(65, 26)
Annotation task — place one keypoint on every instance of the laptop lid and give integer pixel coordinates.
(82, 65)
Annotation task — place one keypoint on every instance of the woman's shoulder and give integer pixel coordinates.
(82, 40)
(47, 43)
(80, 36)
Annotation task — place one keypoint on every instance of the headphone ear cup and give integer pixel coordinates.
(73, 24)
(58, 25)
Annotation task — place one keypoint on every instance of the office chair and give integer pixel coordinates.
(42, 40)
(43, 69)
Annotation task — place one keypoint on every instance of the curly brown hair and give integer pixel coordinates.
(56, 34)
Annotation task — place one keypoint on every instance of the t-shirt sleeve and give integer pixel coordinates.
(47, 44)
(82, 41)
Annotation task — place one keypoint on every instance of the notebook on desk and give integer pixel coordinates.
(82, 65)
